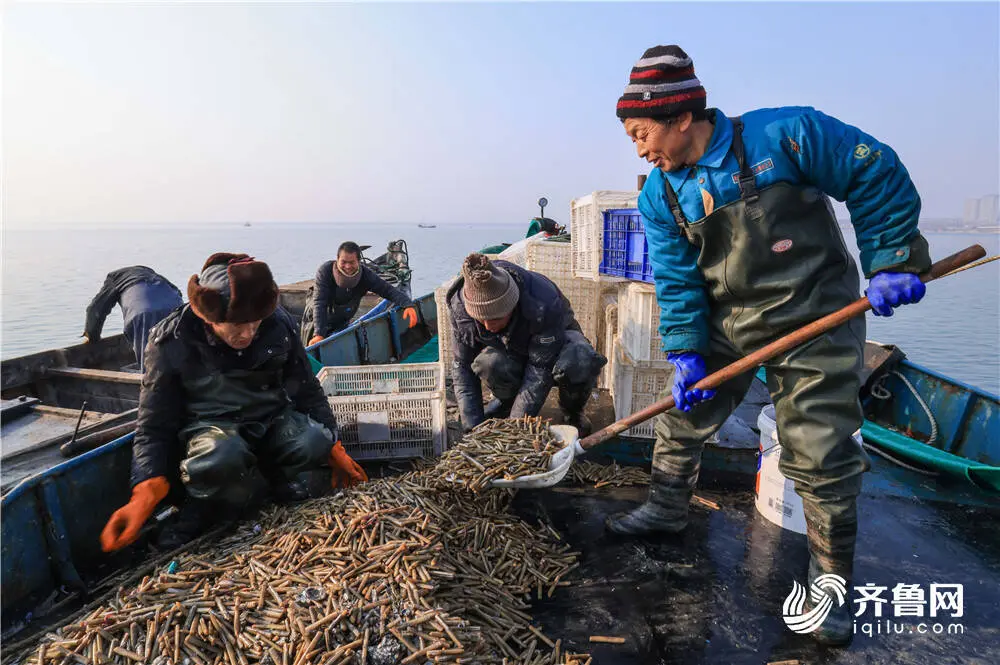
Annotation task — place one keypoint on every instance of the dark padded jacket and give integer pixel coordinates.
(334, 306)
(115, 284)
(534, 336)
(191, 376)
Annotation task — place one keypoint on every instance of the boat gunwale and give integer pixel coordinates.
(979, 392)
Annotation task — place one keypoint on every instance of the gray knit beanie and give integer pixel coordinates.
(489, 292)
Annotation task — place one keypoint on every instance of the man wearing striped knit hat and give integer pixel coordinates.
(745, 248)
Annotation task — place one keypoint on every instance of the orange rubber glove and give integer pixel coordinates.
(346, 472)
(315, 339)
(126, 522)
(410, 314)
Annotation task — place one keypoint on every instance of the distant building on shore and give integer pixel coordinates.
(984, 211)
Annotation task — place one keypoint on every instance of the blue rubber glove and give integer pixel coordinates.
(690, 369)
(888, 290)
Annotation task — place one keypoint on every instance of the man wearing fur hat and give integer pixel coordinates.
(515, 330)
(228, 405)
(339, 287)
(745, 248)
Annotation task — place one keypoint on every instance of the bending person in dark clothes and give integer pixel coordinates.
(145, 297)
(340, 285)
(516, 331)
(229, 406)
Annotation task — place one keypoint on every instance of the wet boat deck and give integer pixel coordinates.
(713, 594)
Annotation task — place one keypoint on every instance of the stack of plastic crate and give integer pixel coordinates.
(388, 412)
(444, 324)
(636, 385)
(639, 322)
(625, 252)
(553, 258)
(608, 348)
(518, 252)
(640, 365)
(587, 229)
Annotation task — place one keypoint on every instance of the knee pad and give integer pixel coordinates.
(215, 459)
(578, 364)
(315, 443)
(501, 372)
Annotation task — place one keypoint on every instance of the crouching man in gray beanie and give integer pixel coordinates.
(515, 330)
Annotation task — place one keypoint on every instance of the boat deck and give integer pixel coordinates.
(30, 442)
(714, 593)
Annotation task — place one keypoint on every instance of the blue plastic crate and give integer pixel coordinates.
(625, 252)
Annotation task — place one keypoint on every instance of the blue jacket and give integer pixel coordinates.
(794, 144)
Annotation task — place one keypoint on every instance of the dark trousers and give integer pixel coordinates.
(815, 393)
(575, 372)
(137, 331)
(143, 306)
(225, 463)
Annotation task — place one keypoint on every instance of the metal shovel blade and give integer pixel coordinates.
(558, 466)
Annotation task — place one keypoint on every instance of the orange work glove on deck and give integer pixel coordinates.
(346, 472)
(126, 522)
(410, 314)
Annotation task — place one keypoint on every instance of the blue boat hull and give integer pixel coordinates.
(50, 522)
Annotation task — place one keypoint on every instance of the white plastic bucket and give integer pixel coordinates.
(777, 500)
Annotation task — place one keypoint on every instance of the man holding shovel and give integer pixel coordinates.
(745, 248)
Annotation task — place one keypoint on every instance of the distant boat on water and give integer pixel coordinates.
(427, 226)
(246, 223)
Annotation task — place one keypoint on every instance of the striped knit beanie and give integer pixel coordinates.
(662, 84)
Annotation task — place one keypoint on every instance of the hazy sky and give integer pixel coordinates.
(136, 113)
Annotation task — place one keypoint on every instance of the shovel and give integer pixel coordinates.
(563, 460)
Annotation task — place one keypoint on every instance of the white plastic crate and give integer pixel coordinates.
(636, 385)
(444, 324)
(639, 322)
(517, 253)
(610, 336)
(554, 260)
(388, 411)
(587, 229)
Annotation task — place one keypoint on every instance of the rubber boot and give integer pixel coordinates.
(831, 553)
(665, 511)
(837, 628)
(579, 421)
(192, 519)
(293, 491)
(496, 408)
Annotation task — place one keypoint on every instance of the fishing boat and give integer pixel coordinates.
(711, 595)
(61, 402)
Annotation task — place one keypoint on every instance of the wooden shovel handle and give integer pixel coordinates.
(777, 347)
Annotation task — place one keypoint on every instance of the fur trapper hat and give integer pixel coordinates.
(233, 288)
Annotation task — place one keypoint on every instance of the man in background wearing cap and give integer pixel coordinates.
(228, 405)
(544, 224)
(746, 248)
(339, 287)
(145, 297)
(516, 331)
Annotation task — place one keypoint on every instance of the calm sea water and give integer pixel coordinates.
(50, 275)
